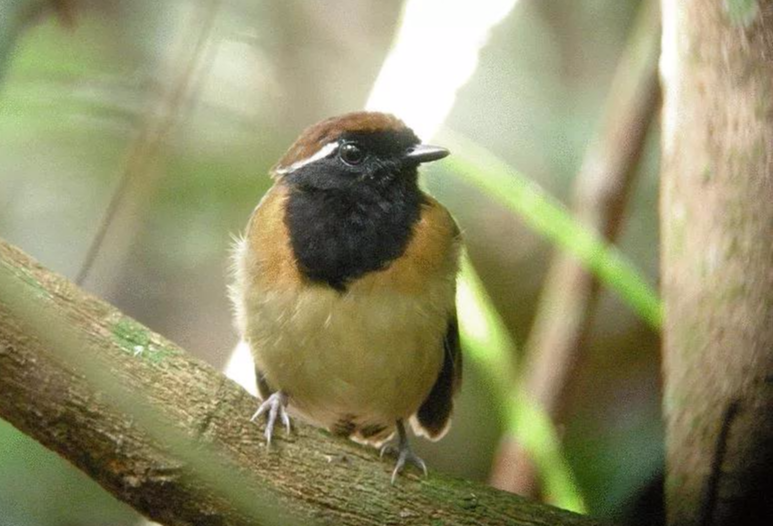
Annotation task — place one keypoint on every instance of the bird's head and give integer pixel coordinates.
(355, 150)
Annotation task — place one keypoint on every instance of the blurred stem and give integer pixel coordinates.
(488, 343)
(136, 183)
(570, 295)
(171, 436)
(14, 16)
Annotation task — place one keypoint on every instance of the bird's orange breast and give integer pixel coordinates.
(431, 253)
(268, 255)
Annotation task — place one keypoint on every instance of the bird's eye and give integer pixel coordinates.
(351, 154)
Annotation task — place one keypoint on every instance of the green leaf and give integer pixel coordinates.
(487, 342)
(494, 177)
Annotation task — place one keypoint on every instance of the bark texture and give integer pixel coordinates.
(717, 260)
(319, 478)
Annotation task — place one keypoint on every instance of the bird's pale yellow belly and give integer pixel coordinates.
(360, 359)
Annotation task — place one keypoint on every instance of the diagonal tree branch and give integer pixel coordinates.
(83, 379)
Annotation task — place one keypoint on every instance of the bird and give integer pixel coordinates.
(344, 288)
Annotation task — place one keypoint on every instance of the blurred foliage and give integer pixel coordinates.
(38, 487)
(72, 101)
(498, 180)
(486, 340)
(742, 12)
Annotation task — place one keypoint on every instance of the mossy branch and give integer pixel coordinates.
(171, 436)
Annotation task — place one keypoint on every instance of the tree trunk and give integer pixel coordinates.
(172, 437)
(717, 260)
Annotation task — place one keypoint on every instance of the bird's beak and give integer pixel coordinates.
(424, 153)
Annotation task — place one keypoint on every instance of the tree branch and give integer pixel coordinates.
(57, 343)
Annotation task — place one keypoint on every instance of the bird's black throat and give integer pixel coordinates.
(338, 235)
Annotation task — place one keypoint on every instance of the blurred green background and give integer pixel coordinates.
(73, 107)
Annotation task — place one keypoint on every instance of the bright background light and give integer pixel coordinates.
(435, 52)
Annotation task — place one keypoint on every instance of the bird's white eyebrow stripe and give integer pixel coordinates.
(320, 154)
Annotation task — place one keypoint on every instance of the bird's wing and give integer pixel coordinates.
(434, 416)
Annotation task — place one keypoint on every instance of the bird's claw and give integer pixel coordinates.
(405, 454)
(274, 406)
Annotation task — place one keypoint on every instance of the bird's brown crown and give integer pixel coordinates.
(313, 138)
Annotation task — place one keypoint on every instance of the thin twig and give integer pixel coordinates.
(570, 294)
(152, 135)
(14, 17)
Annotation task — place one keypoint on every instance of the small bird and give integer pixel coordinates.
(344, 287)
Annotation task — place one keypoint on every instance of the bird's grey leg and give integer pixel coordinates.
(275, 405)
(404, 453)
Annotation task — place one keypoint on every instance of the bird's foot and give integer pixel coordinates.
(405, 454)
(274, 406)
